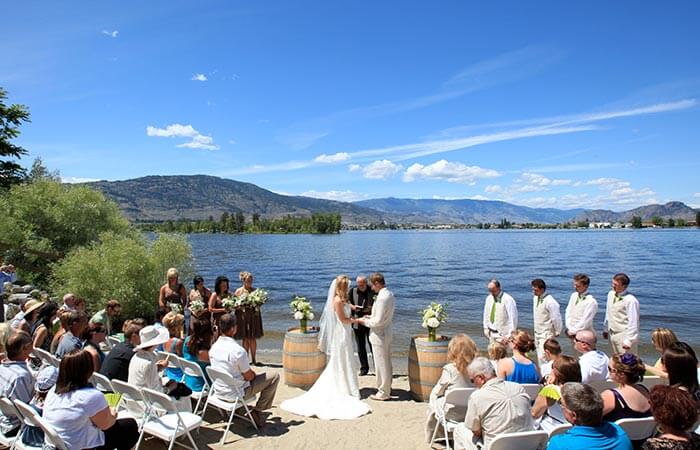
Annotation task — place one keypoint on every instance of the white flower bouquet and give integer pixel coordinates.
(302, 311)
(175, 307)
(197, 306)
(232, 303)
(257, 298)
(434, 316)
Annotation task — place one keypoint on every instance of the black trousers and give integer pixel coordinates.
(122, 435)
(362, 338)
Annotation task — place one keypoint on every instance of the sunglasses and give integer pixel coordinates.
(581, 342)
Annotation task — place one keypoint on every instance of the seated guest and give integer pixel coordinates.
(460, 352)
(76, 322)
(93, 335)
(681, 365)
(662, 338)
(552, 351)
(16, 381)
(106, 316)
(173, 322)
(63, 319)
(631, 398)
(42, 327)
(497, 407)
(227, 355)
(45, 381)
(116, 363)
(79, 413)
(497, 352)
(519, 369)
(547, 407)
(676, 413)
(5, 332)
(594, 363)
(196, 349)
(69, 302)
(31, 312)
(583, 407)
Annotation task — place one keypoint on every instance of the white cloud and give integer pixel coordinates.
(696, 195)
(332, 159)
(605, 183)
(340, 196)
(472, 197)
(381, 170)
(495, 189)
(197, 140)
(354, 167)
(232, 141)
(452, 172)
(113, 34)
(199, 77)
(302, 140)
(73, 180)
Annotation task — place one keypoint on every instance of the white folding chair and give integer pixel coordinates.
(101, 382)
(458, 397)
(229, 403)
(559, 429)
(31, 417)
(174, 362)
(8, 409)
(131, 403)
(532, 390)
(193, 369)
(600, 386)
(638, 429)
(168, 426)
(46, 357)
(525, 440)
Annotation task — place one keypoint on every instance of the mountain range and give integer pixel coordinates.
(198, 197)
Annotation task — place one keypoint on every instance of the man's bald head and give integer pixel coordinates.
(69, 299)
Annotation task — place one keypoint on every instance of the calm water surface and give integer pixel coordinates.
(454, 267)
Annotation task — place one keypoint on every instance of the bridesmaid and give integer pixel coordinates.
(172, 292)
(250, 319)
(216, 306)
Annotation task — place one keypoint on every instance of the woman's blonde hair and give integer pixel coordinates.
(5, 331)
(663, 338)
(497, 351)
(244, 276)
(172, 273)
(174, 323)
(461, 351)
(342, 282)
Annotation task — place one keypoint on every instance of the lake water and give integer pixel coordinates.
(454, 267)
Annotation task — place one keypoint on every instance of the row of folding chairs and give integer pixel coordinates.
(636, 429)
(28, 417)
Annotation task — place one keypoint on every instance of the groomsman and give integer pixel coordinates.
(361, 298)
(546, 317)
(621, 317)
(500, 314)
(581, 309)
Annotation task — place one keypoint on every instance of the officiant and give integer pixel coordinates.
(361, 299)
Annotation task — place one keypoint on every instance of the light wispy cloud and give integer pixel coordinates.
(452, 172)
(334, 158)
(340, 196)
(381, 170)
(199, 77)
(75, 180)
(176, 130)
(113, 34)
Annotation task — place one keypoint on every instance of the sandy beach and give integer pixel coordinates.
(397, 423)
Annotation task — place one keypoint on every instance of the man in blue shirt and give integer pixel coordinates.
(583, 407)
(16, 381)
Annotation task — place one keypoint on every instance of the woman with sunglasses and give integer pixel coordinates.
(630, 399)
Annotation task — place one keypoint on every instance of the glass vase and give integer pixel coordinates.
(432, 334)
(302, 325)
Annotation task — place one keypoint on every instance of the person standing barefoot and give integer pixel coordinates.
(251, 327)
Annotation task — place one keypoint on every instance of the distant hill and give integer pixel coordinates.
(196, 197)
(675, 210)
(467, 211)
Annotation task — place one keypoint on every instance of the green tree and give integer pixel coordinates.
(127, 268)
(681, 222)
(42, 221)
(697, 219)
(636, 222)
(39, 172)
(658, 221)
(11, 117)
(671, 222)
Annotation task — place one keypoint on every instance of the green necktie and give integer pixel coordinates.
(580, 297)
(493, 307)
(617, 298)
(539, 300)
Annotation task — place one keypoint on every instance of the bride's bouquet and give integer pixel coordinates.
(257, 298)
(434, 316)
(302, 311)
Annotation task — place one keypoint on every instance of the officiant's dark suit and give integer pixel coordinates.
(363, 299)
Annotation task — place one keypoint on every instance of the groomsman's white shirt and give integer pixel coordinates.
(506, 320)
(580, 314)
(547, 317)
(622, 316)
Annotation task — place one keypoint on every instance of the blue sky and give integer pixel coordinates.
(593, 104)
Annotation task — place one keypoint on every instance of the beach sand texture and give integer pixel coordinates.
(395, 424)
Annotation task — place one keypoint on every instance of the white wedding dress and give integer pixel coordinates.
(336, 394)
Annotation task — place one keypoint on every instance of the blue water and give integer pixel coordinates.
(454, 267)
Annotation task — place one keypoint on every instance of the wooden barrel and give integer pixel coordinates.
(425, 363)
(303, 362)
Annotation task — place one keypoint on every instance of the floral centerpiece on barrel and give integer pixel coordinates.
(434, 316)
(302, 311)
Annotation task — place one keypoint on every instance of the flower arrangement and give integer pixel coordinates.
(302, 311)
(197, 306)
(231, 303)
(434, 316)
(257, 298)
(175, 307)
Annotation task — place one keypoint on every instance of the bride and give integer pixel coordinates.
(336, 394)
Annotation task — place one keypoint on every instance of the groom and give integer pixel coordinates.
(379, 323)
